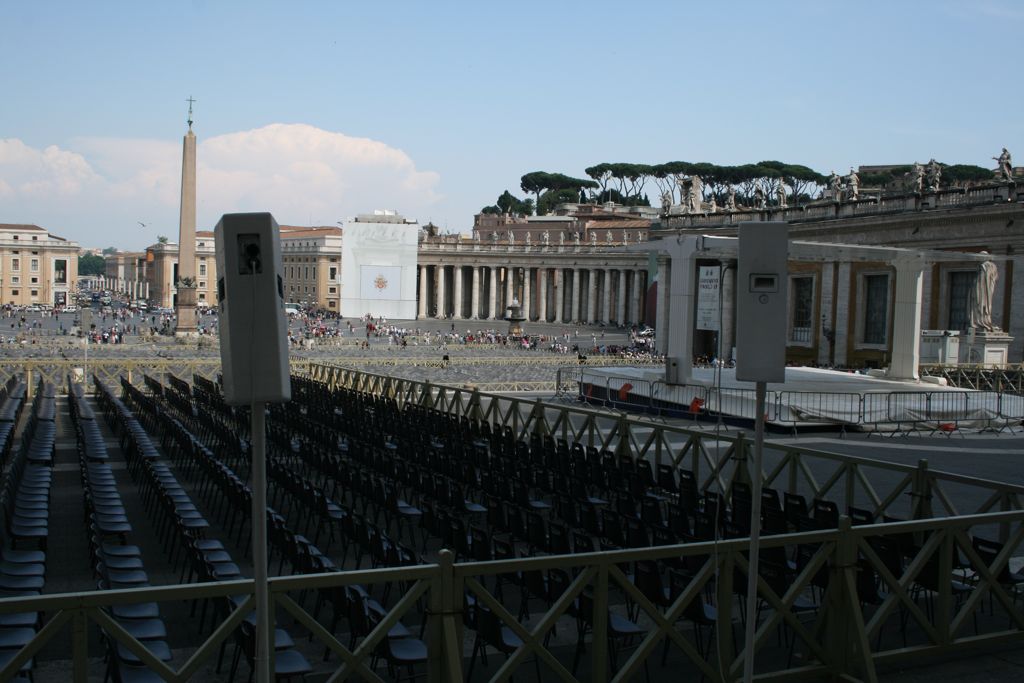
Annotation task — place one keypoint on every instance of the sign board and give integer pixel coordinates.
(708, 298)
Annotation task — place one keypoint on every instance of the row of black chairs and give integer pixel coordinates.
(25, 503)
(205, 559)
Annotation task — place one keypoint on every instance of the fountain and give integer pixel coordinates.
(515, 318)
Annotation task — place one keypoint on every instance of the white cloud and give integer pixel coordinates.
(100, 187)
(43, 174)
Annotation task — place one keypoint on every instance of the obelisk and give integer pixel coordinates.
(185, 307)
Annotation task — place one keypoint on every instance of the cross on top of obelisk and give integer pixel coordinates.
(190, 101)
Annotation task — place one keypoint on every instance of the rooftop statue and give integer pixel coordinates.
(696, 194)
(730, 199)
(834, 184)
(934, 175)
(853, 185)
(780, 194)
(1005, 170)
(666, 203)
(546, 237)
(916, 179)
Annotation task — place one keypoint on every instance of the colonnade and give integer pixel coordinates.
(604, 295)
(136, 289)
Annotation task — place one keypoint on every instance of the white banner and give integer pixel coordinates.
(380, 283)
(708, 310)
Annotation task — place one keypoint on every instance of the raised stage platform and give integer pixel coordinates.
(810, 397)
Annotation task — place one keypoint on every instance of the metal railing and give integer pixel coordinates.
(845, 610)
(936, 408)
(1008, 379)
(716, 459)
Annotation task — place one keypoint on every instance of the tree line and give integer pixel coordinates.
(625, 183)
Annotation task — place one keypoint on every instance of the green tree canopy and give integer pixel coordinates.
(962, 174)
(552, 198)
(537, 182)
(91, 264)
(508, 203)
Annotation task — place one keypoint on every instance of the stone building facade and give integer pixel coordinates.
(161, 271)
(311, 258)
(36, 266)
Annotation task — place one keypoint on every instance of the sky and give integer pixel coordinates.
(318, 111)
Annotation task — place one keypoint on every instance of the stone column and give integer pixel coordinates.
(457, 293)
(606, 297)
(620, 316)
(827, 313)
(492, 312)
(423, 293)
(906, 320)
(474, 296)
(638, 279)
(574, 314)
(440, 291)
(728, 309)
(527, 298)
(591, 295)
(661, 312)
(842, 323)
(542, 295)
(557, 296)
(510, 291)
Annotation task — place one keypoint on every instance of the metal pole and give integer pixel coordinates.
(755, 533)
(259, 541)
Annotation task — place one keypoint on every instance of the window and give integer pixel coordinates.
(14, 292)
(331, 304)
(34, 292)
(15, 264)
(960, 286)
(876, 308)
(333, 274)
(15, 237)
(60, 271)
(16, 280)
(307, 273)
(35, 281)
(202, 296)
(34, 238)
(801, 309)
(202, 285)
(202, 269)
(332, 290)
